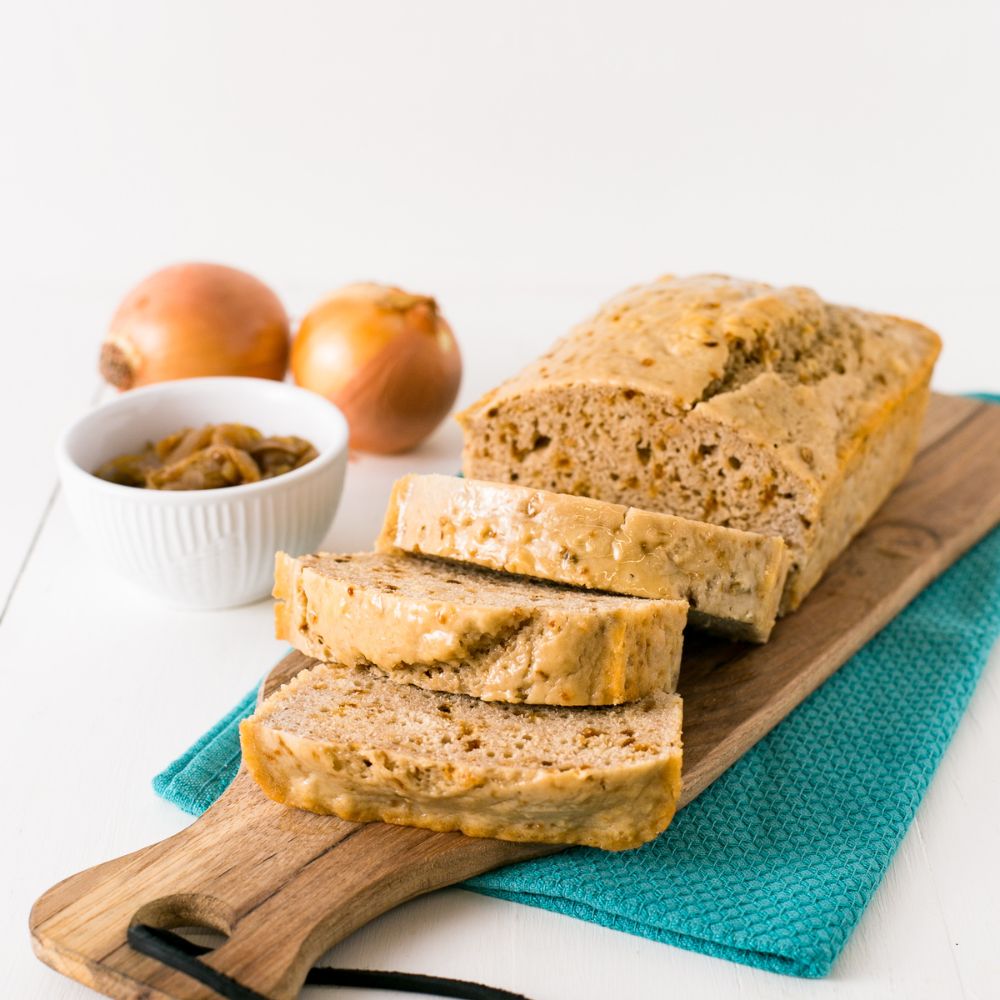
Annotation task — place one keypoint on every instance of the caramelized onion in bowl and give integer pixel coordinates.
(208, 458)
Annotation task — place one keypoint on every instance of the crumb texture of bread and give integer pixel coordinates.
(753, 407)
(467, 630)
(732, 579)
(347, 741)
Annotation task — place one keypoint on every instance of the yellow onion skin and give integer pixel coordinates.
(387, 358)
(195, 319)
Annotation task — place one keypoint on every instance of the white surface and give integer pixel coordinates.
(203, 549)
(521, 161)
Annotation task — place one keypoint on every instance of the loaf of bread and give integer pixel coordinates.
(457, 628)
(347, 741)
(760, 408)
(733, 580)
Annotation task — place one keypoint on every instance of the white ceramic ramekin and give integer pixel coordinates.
(204, 548)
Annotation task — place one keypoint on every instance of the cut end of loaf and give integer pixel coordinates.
(619, 446)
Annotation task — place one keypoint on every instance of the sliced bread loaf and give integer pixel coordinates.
(733, 580)
(346, 741)
(760, 408)
(457, 628)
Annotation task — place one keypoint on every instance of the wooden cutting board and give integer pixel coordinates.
(286, 885)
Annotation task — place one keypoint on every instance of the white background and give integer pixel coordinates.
(521, 161)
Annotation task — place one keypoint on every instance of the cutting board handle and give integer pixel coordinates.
(283, 887)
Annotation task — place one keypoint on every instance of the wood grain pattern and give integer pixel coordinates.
(285, 885)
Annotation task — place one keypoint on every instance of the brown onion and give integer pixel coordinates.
(196, 319)
(387, 358)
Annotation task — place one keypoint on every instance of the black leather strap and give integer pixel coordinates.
(184, 956)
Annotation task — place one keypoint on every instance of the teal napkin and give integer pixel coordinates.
(774, 864)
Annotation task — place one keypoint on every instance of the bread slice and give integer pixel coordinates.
(459, 628)
(733, 580)
(347, 741)
(760, 408)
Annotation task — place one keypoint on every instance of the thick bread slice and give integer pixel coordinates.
(721, 400)
(459, 628)
(733, 580)
(347, 741)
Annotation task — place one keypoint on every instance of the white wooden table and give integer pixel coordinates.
(102, 688)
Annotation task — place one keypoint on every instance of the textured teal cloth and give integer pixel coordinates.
(774, 864)
(203, 772)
